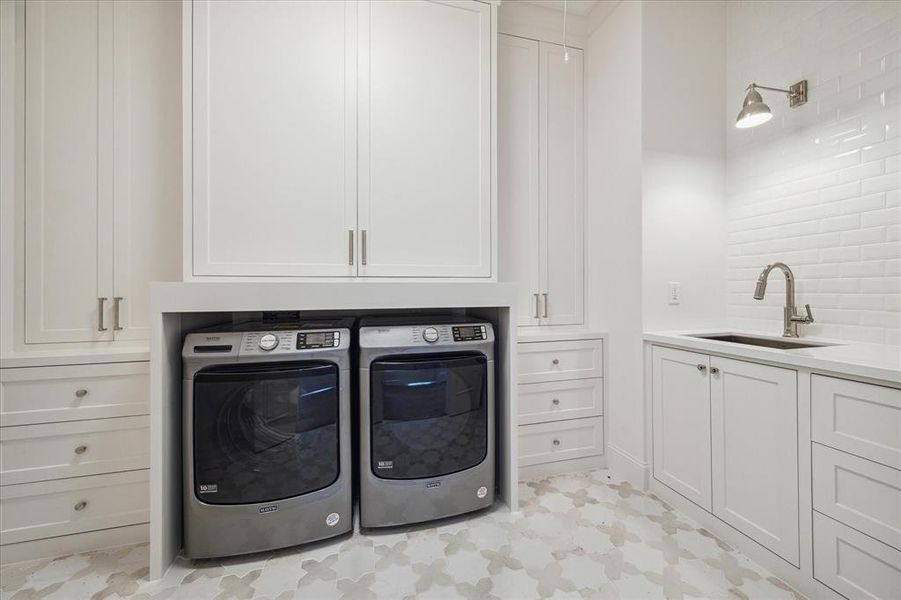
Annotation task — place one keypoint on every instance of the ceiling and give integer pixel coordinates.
(573, 7)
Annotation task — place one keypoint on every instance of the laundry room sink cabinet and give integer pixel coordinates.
(339, 139)
(725, 436)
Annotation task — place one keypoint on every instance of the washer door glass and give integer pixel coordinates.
(429, 414)
(264, 432)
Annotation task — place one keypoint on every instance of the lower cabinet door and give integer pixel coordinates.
(681, 422)
(853, 564)
(754, 433)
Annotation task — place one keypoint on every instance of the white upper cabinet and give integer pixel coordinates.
(425, 138)
(274, 134)
(68, 176)
(339, 139)
(517, 172)
(562, 186)
(102, 166)
(541, 179)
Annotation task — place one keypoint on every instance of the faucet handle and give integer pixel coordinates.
(808, 319)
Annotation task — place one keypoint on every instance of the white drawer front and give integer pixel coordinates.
(560, 400)
(860, 418)
(550, 442)
(56, 450)
(72, 393)
(558, 361)
(858, 492)
(33, 511)
(853, 564)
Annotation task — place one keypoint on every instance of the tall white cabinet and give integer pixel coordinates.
(541, 195)
(101, 167)
(369, 150)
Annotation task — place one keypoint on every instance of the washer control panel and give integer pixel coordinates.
(318, 339)
(265, 342)
(469, 333)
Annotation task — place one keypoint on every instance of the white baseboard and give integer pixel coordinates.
(625, 466)
(75, 543)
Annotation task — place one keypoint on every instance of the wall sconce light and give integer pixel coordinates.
(755, 112)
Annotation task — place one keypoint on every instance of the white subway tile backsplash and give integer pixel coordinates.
(819, 186)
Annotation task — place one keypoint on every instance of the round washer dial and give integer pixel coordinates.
(268, 342)
(430, 334)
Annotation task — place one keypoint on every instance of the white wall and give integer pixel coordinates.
(683, 149)
(818, 186)
(613, 142)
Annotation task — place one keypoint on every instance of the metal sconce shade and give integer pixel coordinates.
(754, 111)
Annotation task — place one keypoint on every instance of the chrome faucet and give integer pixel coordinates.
(791, 318)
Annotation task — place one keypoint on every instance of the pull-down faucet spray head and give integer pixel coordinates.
(760, 289)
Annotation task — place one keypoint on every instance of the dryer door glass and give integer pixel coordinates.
(264, 432)
(429, 414)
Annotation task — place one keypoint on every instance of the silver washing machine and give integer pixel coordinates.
(267, 448)
(427, 412)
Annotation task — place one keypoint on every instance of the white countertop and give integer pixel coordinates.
(46, 358)
(856, 359)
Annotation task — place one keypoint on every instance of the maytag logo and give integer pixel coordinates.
(433, 484)
(213, 338)
(268, 509)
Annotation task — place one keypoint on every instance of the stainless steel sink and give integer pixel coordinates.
(751, 340)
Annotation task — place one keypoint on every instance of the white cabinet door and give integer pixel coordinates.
(519, 253)
(274, 137)
(147, 175)
(680, 400)
(68, 169)
(425, 138)
(562, 186)
(754, 412)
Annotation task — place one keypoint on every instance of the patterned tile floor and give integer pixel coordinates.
(577, 536)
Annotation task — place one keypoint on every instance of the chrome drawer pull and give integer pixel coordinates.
(81, 393)
(556, 361)
(81, 449)
(81, 505)
(556, 442)
(556, 401)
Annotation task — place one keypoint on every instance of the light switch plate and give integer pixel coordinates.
(675, 292)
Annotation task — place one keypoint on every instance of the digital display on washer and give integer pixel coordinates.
(466, 333)
(317, 339)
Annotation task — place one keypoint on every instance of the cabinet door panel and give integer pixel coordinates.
(681, 422)
(68, 183)
(755, 452)
(147, 177)
(519, 258)
(425, 138)
(562, 187)
(273, 137)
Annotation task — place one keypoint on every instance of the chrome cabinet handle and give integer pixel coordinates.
(81, 393)
(556, 442)
(556, 401)
(350, 247)
(117, 300)
(537, 303)
(81, 505)
(100, 326)
(363, 248)
(702, 368)
(81, 449)
(545, 305)
(714, 370)
(556, 361)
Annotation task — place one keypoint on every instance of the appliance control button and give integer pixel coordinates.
(430, 334)
(268, 342)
